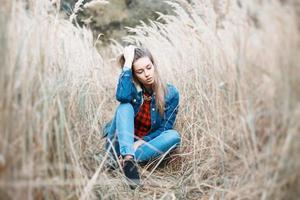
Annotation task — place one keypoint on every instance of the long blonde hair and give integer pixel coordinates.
(159, 87)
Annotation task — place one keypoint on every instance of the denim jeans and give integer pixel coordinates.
(123, 138)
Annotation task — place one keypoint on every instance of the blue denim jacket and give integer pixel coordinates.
(127, 92)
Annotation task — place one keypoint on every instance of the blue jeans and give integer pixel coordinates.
(123, 138)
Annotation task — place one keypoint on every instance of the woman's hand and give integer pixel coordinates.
(138, 143)
(128, 55)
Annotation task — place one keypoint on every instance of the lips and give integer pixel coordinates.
(149, 79)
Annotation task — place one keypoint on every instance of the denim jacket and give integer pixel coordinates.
(128, 92)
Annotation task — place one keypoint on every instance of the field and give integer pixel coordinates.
(236, 64)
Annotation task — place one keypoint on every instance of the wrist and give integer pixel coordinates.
(125, 68)
(128, 64)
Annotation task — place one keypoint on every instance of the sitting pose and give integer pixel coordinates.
(142, 127)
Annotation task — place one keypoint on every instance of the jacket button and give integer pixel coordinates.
(134, 100)
(153, 109)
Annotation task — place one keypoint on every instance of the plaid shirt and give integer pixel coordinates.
(142, 120)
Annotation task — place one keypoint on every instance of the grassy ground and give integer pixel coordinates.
(235, 63)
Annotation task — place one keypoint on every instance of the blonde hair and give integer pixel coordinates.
(159, 87)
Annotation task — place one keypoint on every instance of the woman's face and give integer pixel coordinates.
(144, 71)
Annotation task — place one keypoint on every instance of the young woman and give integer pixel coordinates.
(142, 127)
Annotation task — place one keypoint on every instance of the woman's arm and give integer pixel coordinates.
(125, 86)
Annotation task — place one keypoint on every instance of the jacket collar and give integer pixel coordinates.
(138, 87)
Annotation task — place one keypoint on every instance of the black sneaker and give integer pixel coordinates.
(131, 172)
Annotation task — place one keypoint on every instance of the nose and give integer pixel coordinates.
(146, 73)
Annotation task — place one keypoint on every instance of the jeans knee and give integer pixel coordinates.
(125, 108)
(173, 136)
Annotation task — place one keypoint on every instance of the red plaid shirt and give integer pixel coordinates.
(142, 120)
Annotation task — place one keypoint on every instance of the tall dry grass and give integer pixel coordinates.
(237, 69)
(54, 88)
(235, 64)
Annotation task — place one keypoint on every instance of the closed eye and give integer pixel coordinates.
(149, 66)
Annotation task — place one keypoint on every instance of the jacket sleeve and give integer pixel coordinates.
(169, 117)
(125, 87)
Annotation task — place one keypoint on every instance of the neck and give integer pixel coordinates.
(148, 88)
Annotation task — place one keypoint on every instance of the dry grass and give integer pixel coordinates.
(237, 69)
